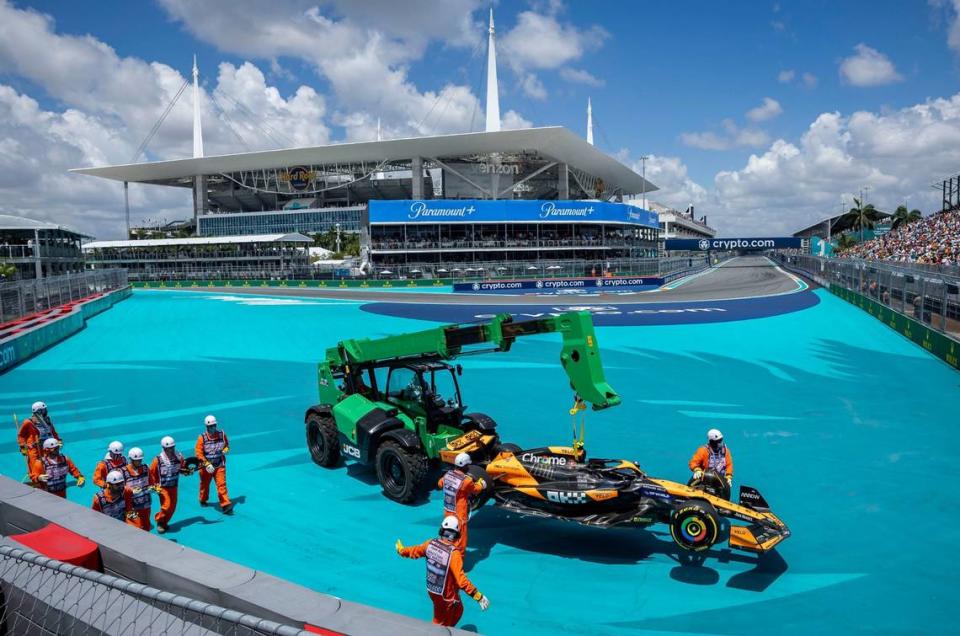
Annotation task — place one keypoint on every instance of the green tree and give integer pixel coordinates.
(845, 241)
(860, 216)
(349, 242)
(7, 271)
(902, 217)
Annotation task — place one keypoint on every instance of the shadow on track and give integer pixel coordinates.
(618, 546)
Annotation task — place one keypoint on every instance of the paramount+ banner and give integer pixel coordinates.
(723, 244)
(506, 211)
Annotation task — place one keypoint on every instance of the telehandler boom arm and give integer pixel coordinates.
(580, 356)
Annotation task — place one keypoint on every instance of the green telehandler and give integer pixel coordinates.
(395, 402)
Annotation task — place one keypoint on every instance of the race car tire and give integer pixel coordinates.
(476, 472)
(191, 463)
(402, 473)
(322, 440)
(694, 525)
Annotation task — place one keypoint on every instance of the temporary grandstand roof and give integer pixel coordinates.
(201, 240)
(555, 142)
(9, 222)
(819, 228)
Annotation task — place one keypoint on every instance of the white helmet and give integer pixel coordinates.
(38, 406)
(714, 435)
(50, 443)
(450, 528)
(115, 448)
(114, 477)
(462, 460)
(135, 454)
(167, 442)
(209, 421)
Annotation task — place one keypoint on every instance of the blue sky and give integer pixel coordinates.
(672, 80)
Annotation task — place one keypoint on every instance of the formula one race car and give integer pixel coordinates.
(560, 482)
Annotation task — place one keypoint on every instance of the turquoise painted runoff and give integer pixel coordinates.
(847, 428)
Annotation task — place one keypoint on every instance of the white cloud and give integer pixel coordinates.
(109, 104)
(677, 189)
(580, 76)
(785, 77)
(363, 52)
(532, 86)
(896, 153)
(809, 80)
(733, 137)
(868, 67)
(951, 11)
(768, 109)
(540, 41)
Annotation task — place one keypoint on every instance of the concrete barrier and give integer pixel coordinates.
(133, 554)
(25, 344)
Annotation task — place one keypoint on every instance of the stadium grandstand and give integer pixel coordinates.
(933, 240)
(255, 256)
(36, 249)
(533, 196)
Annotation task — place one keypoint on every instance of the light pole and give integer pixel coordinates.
(643, 163)
(337, 227)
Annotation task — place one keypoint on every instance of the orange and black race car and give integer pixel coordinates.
(560, 482)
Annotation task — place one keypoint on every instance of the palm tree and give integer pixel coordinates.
(861, 216)
(7, 271)
(845, 241)
(902, 217)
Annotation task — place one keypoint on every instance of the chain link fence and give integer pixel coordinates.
(927, 295)
(25, 297)
(46, 597)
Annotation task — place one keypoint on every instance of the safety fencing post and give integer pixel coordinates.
(45, 596)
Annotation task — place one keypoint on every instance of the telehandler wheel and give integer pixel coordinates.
(322, 440)
(402, 473)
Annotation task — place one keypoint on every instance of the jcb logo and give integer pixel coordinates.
(352, 451)
(567, 497)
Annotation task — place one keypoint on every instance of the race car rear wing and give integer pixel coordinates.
(751, 498)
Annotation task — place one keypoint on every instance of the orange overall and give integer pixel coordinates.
(56, 469)
(704, 458)
(30, 436)
(137, 481)
(210, 448)
(116, 507)
(458, 489)
(165, 474)
(445, 578)
(104, 466)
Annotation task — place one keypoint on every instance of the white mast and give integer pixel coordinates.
(493, 93)
(589, 122)
(379, 136)
(197, 130)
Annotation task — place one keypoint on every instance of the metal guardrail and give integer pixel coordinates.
(929, 296)
(45, 596)
(540, 269)
(23, 297)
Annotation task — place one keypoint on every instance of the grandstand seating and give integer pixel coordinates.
(934, 240)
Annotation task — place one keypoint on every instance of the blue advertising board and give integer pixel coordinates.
(722, 244)
(508, 211)
(561, 284)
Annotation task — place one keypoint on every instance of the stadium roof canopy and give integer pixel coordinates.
(9, 222)
(555, 142)
(202, 240)
(836, 225)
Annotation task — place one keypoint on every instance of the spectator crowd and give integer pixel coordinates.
(933, 240)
